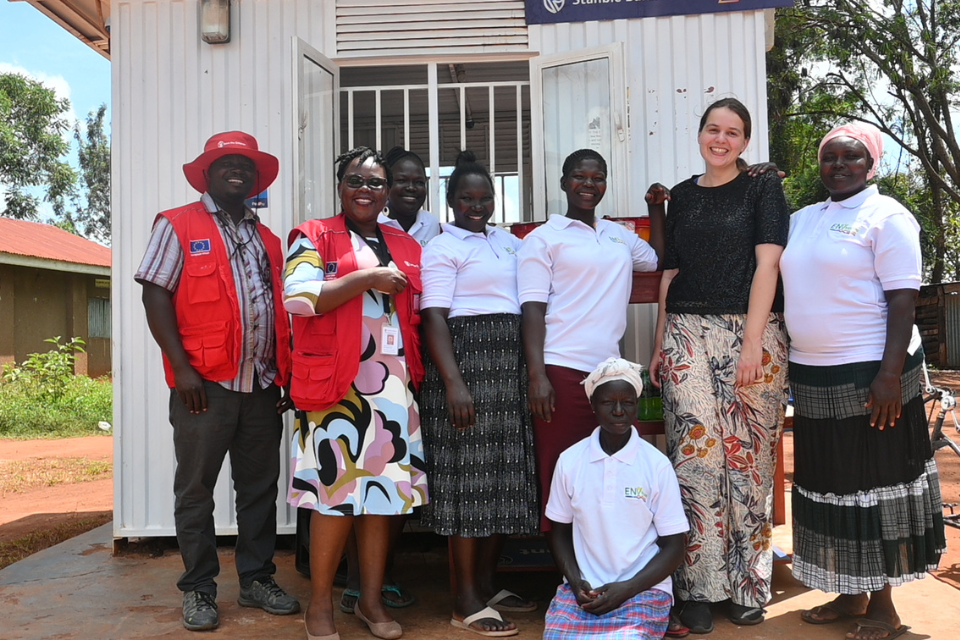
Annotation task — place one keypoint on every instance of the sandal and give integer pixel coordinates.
(892, 632)
(497, 603)
(405, 597)
(812, 616)
(348, 601)
(467, 624)
(745, 616)
(675, 628)
(697, 617)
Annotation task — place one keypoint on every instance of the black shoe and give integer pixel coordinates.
(745, 616)
(697, 617)
(267, 595)
(200, 611)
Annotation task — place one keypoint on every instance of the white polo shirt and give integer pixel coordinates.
(585, 276)
(619, 505)
(425, 228)
(840, 258)
(471, 274)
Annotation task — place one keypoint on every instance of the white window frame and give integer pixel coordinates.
(618, 163)
(305, 54)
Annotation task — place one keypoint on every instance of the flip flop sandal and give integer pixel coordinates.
(345, 604)
(483, 614)
(808, 615)
(745, 616)
(406, 598)
(675, 628)
(503, 594)
(894, 632)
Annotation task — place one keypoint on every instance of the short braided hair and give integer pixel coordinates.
(582, 154)
(361, 154)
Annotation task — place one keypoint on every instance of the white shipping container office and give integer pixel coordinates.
(310, 78)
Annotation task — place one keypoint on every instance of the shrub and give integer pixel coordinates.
(41, 398)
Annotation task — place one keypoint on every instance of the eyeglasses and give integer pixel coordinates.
(356, 182)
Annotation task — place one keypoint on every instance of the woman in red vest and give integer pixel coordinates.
(353, 287)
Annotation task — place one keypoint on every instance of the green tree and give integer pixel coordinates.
(889, 62)
(91, 201)
(32, 144)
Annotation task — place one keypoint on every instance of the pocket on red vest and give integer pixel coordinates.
(206, 345)
(203, 285)
(312, 380)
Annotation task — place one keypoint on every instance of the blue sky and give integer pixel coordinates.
(35, 44)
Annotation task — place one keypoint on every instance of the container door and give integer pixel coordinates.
(578, 102)
(317, 86)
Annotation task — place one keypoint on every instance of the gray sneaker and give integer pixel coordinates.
(199, 611)
(267, 595)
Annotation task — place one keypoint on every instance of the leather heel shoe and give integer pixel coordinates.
(386, 630)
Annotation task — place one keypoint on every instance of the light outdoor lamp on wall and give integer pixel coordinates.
(215, 21)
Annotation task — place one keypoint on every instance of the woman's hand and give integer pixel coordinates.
(657, 194)
(542, 398)
(609, 597)
(655, 361)
(885, 400)
(460, 406)
(750, 363)
(388, 280)
(583, 592)
(761, 168)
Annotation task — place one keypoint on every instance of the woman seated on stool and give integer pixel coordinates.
(618, 524)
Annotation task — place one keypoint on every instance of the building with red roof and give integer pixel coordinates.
(53, 283)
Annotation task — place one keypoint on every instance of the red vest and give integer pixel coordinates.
(206, 303)
(326, 354)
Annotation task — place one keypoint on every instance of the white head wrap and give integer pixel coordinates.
(614, 369)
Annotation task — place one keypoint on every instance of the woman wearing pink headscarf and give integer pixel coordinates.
(866, 499)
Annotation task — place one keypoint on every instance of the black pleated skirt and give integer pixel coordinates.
(482, 480)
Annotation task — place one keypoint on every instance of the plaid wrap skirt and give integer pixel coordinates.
(642, 617)
(866, 502)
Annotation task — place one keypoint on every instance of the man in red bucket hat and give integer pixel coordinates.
(212, 290)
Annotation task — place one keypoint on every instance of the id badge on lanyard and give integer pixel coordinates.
(389, 334)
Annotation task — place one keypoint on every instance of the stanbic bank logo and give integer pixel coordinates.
(553, 6)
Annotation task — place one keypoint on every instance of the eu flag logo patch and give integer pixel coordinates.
(330, 273)
(199, 247)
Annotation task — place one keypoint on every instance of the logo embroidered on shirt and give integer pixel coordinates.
(199, 247)
(635, 493)
(848, 229)
(330, 272)
(616, 239)
(510, 251)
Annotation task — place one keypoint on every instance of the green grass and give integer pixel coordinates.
(27, 413)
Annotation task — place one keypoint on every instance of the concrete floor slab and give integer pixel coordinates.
(79, 590)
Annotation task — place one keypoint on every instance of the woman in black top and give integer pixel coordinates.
(720, 354)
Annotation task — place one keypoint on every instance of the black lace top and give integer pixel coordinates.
(712, 233)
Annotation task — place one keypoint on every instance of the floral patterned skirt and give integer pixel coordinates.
(722, 441)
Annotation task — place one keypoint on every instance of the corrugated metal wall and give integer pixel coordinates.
(378, 28)
(171, 92)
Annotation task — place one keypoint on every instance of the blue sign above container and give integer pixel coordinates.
(551, 11)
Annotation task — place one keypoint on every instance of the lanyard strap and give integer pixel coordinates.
(379, 248)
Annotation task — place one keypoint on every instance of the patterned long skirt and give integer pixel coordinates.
(482, 479)
(642, 617)
(722, 441)
(866, 502)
